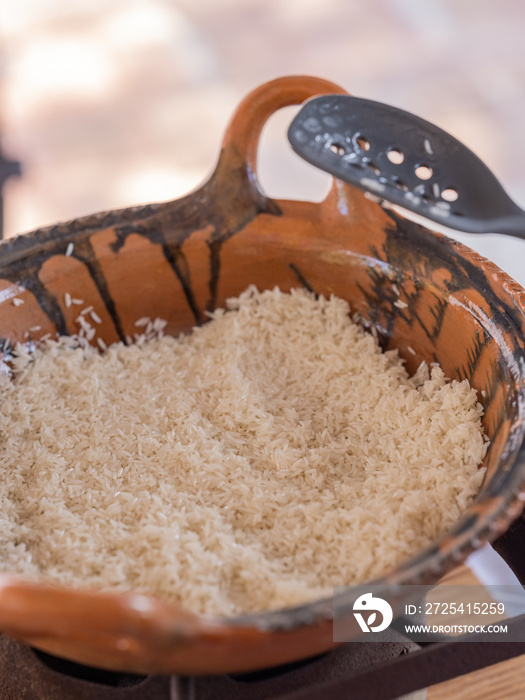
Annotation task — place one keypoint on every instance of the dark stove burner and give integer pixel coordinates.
(28, 674)
(98, 676)
(378, 671)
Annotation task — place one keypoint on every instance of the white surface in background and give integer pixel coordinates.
(491, 570)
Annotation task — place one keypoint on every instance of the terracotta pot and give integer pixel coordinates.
(178, 259)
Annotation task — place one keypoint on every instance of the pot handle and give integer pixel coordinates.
(136, 633)
(124, 631)
(242, 136)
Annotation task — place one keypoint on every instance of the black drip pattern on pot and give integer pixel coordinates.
(172, 253)
(84, 252)
(25, 255)
(302, 279)
(404, 238)
(168, 225)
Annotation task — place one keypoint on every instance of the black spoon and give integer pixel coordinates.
(401, 158)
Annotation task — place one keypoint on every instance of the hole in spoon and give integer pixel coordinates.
(424, 172)
(363, 143)
(337, 148)
(395, 156)
(399, 183)
(449, 195)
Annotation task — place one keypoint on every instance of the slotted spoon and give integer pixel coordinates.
(403, 159)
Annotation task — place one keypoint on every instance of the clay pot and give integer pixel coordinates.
(176, 260)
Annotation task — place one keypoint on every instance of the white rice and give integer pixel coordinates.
(251, 465)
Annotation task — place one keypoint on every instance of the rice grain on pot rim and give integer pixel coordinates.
(250, 465)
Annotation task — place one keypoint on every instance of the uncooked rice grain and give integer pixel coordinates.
(253, 464)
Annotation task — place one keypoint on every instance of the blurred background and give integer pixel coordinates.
(110, 104)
